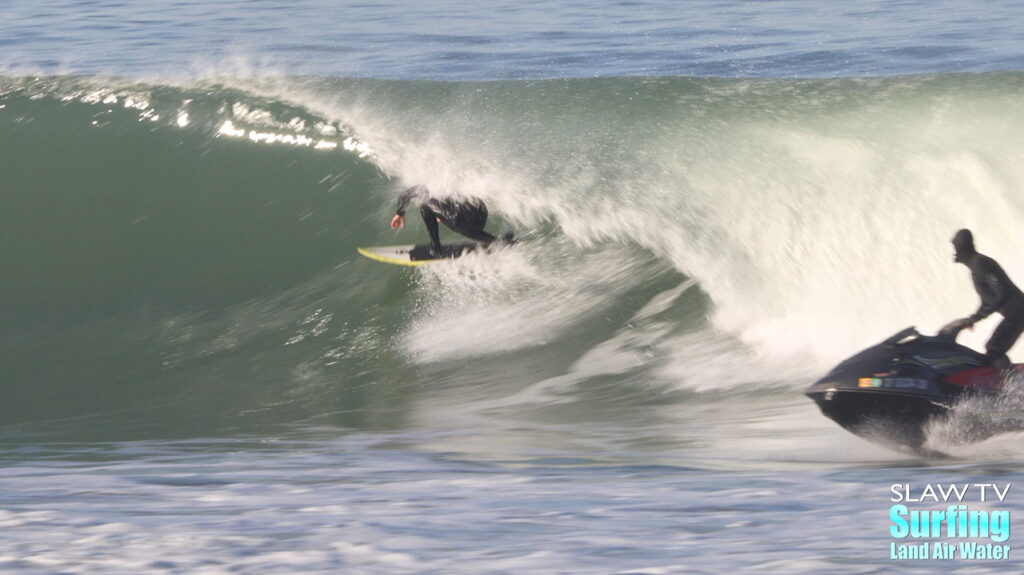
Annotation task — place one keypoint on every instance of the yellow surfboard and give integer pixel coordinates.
(415, 255)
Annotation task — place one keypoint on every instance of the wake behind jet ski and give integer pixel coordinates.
(890, 392)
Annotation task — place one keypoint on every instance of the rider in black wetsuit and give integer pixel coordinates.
(467, 217)
(998, 294)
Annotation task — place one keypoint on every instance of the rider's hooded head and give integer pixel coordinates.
(963, 245)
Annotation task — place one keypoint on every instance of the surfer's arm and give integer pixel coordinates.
(984, 311)
(405, 198)
(993, 291)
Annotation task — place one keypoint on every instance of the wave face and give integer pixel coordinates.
(180, 255)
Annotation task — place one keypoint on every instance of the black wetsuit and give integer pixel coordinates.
(467, 217)
(998, 294)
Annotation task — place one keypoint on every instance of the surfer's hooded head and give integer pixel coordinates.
(963, 245)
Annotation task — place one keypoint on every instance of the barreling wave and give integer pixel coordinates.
(182, 253)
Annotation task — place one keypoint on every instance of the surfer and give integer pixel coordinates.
(467, 217)
(998, 294)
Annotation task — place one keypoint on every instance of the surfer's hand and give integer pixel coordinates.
(397, 222)
(954, 327)
(965, 323)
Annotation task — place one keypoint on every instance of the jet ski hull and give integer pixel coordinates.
(891, 392)
(881, 416)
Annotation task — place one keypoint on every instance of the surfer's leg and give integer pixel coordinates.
(470, 222)
(1002, 340)
(430, 219)
(479, 235)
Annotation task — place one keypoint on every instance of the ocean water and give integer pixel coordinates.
(716, 202)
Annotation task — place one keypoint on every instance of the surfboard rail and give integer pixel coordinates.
(392, 255)
(415, 255)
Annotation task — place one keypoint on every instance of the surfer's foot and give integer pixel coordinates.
(1002, 363)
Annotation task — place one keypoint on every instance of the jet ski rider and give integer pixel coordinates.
(998, 294)
(467, 217)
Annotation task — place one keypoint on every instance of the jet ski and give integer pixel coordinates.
(890, 392)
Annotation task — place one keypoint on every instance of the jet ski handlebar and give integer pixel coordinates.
(902, 335)
(949, 332)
